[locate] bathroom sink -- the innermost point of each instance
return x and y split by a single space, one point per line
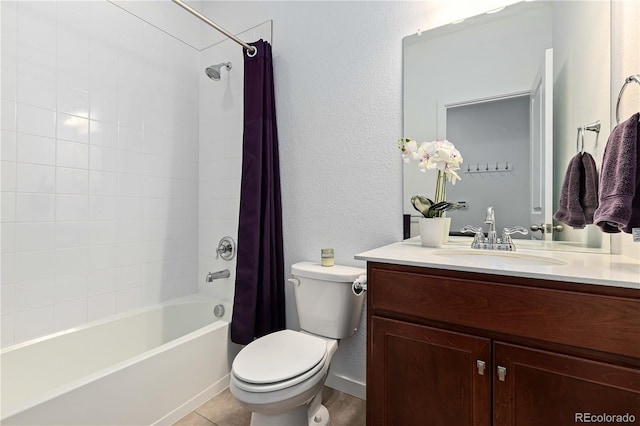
494 257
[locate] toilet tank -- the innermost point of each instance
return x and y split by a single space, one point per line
325 302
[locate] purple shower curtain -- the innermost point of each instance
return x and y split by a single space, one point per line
258 306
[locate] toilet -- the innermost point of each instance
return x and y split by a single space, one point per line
280 376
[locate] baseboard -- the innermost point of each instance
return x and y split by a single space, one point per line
347 385
194 402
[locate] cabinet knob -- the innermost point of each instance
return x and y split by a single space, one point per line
502 373
481 365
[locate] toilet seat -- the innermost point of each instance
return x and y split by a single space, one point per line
278 360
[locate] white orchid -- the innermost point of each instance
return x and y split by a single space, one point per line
440 155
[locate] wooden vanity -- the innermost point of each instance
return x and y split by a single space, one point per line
450 347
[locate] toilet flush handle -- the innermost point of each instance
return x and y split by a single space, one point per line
295 281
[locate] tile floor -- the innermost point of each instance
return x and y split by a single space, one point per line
224 410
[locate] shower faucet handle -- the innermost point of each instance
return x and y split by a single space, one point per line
226 248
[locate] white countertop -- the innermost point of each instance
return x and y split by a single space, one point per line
584 268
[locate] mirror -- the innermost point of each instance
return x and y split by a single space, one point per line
510 89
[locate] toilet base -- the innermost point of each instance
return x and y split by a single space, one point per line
299 416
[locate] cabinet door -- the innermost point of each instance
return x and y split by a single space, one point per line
545 388
420 375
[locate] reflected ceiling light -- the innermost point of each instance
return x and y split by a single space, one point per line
458 21
496 10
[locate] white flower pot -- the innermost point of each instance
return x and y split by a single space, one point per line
434 231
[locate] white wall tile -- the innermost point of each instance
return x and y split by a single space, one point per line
104 257
104 108
34 265
103 183
72 261
130 139
8 234
70 314
102 281
9 53
35 236
102 232
72 234
36 33
36 121
33 294
7 297
70 287
33 323
8 115
72 154
9 21
35 207
103 159
73 74
72 128
101 306
73 101
36 149
8 81
8 272
72 181
36 178
72 207
103 208
8 171
128 299
36 91
36 62
103 133
7 323
73 44
129 276
8 148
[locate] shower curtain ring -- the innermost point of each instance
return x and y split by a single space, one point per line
255 52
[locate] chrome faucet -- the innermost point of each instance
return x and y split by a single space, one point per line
490 219
492 241
218 275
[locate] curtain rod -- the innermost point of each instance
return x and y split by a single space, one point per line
251 51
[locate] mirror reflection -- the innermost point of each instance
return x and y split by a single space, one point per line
510 89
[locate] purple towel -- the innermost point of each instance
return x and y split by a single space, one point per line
589 188
570 210
619 207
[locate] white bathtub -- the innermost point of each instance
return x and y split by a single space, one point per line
152 366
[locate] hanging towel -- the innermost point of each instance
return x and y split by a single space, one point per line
589 188
570 210
619 201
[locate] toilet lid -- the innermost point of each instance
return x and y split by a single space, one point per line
278 356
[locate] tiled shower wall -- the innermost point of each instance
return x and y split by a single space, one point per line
99 165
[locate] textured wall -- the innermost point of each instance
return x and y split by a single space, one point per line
338 75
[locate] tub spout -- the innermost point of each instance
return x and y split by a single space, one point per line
218 275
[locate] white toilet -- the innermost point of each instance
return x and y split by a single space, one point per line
280 376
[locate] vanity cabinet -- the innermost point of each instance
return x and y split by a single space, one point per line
457 348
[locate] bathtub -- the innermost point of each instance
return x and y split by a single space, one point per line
151 366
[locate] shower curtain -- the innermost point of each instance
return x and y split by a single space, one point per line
258 306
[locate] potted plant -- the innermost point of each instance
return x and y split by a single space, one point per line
442 156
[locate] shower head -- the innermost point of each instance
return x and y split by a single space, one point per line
213 72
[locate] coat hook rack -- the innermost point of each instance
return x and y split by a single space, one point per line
497 167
